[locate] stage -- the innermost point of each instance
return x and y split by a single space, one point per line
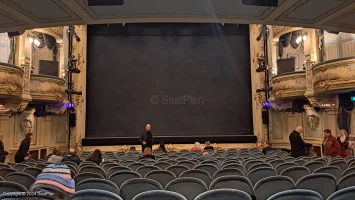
171 142
109 141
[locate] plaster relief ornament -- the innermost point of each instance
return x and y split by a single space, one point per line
313 122
25 127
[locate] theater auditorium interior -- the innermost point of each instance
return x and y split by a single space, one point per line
177 100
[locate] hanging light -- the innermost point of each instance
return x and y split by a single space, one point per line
305 36
37 42
299 39
30 39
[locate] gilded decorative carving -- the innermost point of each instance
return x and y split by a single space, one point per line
25 126
309 65
289 85
280 30
47 88
11 80
337 75
54 31
313 122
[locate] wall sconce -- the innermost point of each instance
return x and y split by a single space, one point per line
32 39
302 37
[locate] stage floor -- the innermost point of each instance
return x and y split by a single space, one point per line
230 139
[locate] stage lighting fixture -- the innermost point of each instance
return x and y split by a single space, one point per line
72 66
267 104
262 64
73 33
74 70
69 106
30 39
264 90
263 32
71 92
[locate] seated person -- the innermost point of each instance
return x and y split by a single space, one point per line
161 148
197 147
310 152
54 180
131 154
55 157
268 147
208 146
205 156
95 157
148 154
72 157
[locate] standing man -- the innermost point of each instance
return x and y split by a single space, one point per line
147 137
298 146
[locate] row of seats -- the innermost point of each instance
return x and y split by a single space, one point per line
243 166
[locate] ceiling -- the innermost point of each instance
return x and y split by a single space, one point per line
334 15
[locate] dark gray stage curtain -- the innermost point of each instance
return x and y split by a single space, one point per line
344 113
128 65
47 41
288 39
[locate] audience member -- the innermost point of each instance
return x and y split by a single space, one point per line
147 137
310 152
268 147
96 157
298 146
72 157
55 179
208 146
330 144
148 154
197 147
56 156
343 141
131 155
3 153
22 153
161 148
205 156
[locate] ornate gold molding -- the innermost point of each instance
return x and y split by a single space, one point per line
56 32
338 74
280 30
291 85
11 81
46 88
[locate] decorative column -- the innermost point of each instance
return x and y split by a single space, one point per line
79 81
257 82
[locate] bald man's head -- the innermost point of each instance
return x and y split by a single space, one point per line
299 129
71 150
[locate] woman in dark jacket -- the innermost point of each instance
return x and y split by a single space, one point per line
343 140
3 153
22 153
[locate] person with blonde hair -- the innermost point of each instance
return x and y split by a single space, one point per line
343 141
197 147
147 153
